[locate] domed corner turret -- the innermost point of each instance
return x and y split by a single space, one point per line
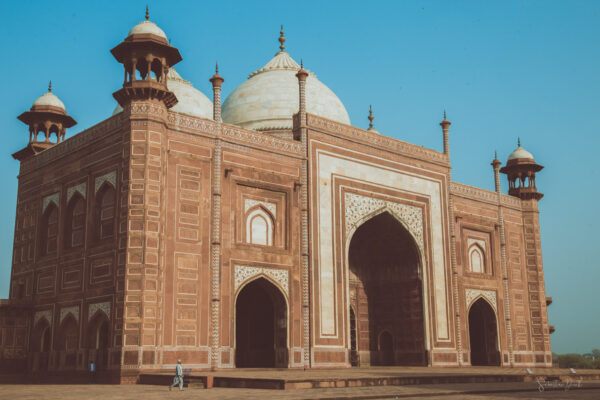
269 98
520 169
190 100
147 52
48 121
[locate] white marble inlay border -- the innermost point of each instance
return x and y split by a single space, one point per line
81 189
104 307
111 177
249 203
47 314
54 198
243 273
473 294
73 310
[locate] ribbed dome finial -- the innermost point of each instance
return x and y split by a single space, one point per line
50 87
147 13
371 117
519 142
281 39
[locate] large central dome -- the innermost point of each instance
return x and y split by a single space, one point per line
269 98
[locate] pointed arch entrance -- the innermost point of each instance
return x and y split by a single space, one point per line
261 326
483 334
386 291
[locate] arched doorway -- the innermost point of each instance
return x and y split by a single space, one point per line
483 334
42 335
387 294
260 326
98 340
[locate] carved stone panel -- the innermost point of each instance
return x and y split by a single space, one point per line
111 177
47 314
54 198
243 273
73 310
104 307
81 189
473 294
359 207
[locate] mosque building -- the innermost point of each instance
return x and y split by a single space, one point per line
264 232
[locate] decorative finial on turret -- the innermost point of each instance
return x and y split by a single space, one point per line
495 154
281 39
444 115
217 67
301 64
371 118
147 13
519 142
50 87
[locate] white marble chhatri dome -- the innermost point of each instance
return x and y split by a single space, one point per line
49 99
147 27
189 99
520 153
269 98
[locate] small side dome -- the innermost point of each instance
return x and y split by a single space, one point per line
190 100
145 27
49 99
520 153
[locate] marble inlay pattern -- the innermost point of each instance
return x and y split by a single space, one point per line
42 314
81 189
358 207
479 242
54 198
74 310
104 307
111 177
243 273
249 203
472 294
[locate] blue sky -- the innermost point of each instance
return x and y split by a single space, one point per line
502 70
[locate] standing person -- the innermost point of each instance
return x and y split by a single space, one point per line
178 379
92 372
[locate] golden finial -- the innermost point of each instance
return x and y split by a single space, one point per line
147 13
281 39
519 142
371 117
50 87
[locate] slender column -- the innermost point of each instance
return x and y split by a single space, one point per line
304 224
216 81
496 165
445 124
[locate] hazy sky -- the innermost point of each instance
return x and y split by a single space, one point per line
502 70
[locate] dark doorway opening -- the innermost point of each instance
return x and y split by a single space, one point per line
483 334
353 349
261 326
386 291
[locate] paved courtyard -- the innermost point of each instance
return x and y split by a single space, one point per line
590 390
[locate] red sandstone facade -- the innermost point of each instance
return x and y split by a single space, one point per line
156 236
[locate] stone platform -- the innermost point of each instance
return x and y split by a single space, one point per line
285 379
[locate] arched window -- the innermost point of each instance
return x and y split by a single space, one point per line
69 334
105 212
259 227
75 222
49 230
476 259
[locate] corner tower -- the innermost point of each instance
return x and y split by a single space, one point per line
46 117
521 169
146 56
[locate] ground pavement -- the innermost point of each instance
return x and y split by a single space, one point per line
487 391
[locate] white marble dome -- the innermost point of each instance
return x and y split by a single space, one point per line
269 98
520 153
49 99
147 27
189 99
